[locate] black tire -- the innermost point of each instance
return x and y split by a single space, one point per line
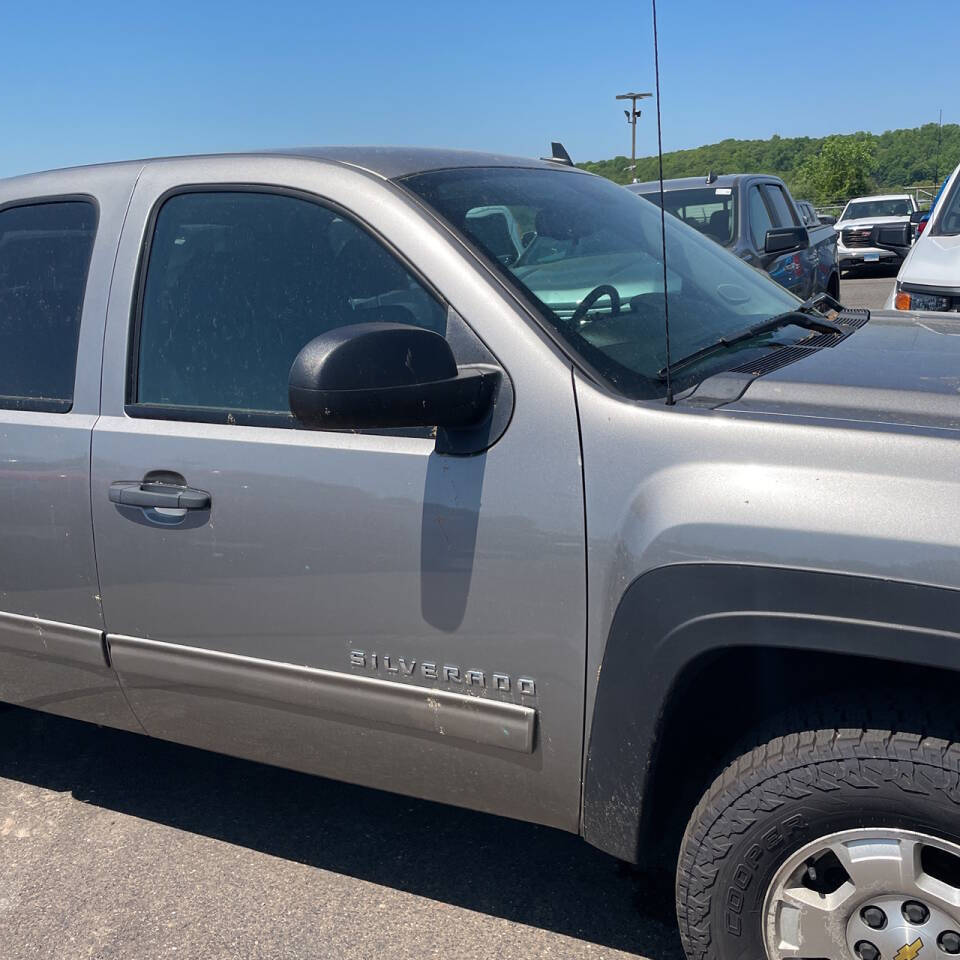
775 799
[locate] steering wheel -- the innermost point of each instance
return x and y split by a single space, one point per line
604 290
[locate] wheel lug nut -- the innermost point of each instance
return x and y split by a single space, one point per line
873 917
915 912
865 950
949 941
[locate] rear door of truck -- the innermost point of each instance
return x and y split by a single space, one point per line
58 240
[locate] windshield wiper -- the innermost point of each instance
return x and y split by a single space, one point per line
798 317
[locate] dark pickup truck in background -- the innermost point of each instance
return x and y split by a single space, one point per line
755 218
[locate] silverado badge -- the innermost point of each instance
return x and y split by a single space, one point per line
405 667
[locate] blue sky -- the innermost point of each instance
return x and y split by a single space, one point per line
81 83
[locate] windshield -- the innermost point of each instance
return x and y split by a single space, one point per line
877 208
591 263
948 222
711 210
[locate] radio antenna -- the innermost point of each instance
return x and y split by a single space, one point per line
663 209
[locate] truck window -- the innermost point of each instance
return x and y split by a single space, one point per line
808 215
237 282
760 221
45 253
948 222
893 207
782 210
711 210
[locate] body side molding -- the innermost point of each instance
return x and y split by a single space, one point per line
670 616
51 639
508 726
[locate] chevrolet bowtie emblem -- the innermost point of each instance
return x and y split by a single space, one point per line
909 951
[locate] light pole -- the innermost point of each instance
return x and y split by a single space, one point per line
631 116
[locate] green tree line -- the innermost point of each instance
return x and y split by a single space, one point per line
824 169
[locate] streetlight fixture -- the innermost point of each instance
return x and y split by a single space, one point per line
631 116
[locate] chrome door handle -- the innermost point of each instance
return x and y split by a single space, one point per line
140 494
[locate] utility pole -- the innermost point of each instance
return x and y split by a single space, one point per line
631 116
936 169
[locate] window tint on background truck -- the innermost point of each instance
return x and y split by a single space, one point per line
781 207
760 221
45 253
238 282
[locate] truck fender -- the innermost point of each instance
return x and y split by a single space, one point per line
671 615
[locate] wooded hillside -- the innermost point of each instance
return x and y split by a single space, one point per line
893 160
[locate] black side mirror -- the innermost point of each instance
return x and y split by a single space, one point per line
786 240
827 218
917 216
388 375
893 236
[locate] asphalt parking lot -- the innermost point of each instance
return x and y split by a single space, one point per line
868 286
115 846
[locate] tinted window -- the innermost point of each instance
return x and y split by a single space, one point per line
760 221
707 209
44 256
237 283
782 211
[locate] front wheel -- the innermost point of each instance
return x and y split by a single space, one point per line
827 845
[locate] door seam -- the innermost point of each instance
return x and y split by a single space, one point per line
104 642
586 597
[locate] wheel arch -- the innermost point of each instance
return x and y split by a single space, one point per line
684 629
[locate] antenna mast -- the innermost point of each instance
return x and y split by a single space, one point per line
663 210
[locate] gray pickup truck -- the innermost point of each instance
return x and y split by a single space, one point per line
296 469
755 217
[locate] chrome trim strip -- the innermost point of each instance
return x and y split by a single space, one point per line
51 639
508 726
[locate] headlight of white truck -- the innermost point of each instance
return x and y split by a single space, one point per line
920 301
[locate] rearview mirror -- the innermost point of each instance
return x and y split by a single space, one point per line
388 375
786 240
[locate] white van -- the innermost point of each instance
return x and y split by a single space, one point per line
930 276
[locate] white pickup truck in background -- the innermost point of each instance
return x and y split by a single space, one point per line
930 276
856 243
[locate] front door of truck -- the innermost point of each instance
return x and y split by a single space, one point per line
356 605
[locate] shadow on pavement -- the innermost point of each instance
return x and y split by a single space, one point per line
872 271
527 874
